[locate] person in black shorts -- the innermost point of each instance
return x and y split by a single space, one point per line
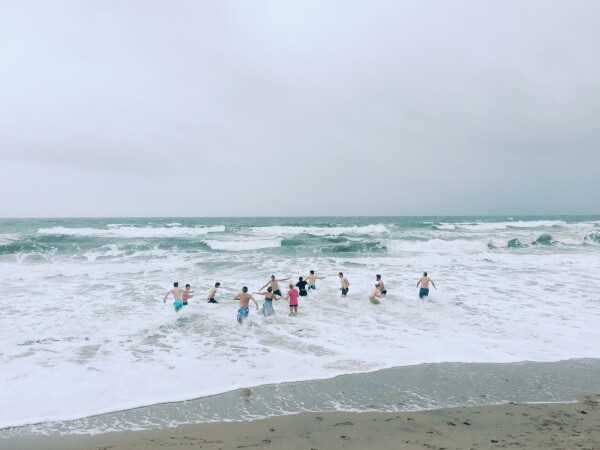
213 293
301 285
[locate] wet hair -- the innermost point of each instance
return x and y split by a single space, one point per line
272 276
175 284
378 277
217 284
269 289
312 272
245 289
424 274
300 278
341 274
187 285
292 286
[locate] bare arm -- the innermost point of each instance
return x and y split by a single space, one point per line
284 279
264 286
320 278
165 299
418 282
433 284
254 300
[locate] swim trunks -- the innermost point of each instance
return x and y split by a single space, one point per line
384 292
185 303
277 292
345 291
243 313
312 286
178 304
212 300
423 292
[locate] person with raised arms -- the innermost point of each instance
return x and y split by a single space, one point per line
311 278
268 304
274 282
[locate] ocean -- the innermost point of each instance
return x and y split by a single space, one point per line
84 331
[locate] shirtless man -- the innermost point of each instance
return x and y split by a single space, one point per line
345 285
424 282
177 293
380 286
274 282
312 280
244 299
213 293
186 294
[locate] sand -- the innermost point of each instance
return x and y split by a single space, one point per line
539 426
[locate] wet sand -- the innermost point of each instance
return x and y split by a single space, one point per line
531 426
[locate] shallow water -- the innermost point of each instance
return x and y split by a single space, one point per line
85 331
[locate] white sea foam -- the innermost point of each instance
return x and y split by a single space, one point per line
441 246
88 331
491 226
243 245
319 231
133 232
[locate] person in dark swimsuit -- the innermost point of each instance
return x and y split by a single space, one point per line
301 285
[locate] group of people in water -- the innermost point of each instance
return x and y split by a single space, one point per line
296 290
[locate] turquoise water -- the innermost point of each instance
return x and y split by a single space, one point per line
84 329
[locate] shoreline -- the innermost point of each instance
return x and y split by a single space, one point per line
405 389
511 425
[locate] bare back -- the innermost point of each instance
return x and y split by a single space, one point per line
425 282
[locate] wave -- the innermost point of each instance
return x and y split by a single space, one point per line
243 245
515 243
356 247
544 239
284 230
492 226
132 232
438 246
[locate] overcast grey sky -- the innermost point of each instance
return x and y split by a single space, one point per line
220 108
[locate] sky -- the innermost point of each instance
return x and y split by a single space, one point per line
299 108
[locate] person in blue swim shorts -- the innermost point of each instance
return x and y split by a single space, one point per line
244 299
345 285
178 294
424 282
312 280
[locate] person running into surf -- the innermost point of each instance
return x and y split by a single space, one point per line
311 278
301 285
177 293
244 299
268 304
424 282
274 282
292 296
380 286
345 285
213 293
375 294
187 294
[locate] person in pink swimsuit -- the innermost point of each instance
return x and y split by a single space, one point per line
292 296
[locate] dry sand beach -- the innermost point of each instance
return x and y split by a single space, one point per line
531 426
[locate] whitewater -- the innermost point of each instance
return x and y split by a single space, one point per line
84 330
